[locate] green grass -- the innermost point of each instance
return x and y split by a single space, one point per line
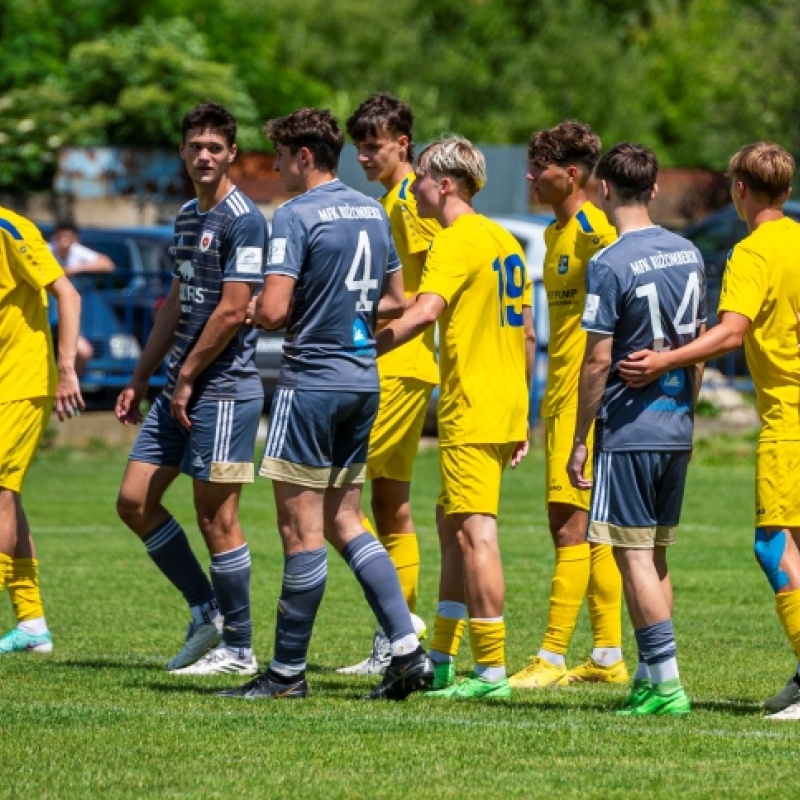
102 718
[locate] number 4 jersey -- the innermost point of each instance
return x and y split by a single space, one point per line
647 290
336 243
478 268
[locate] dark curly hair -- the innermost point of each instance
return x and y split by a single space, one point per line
570 143
210 116
632 170
382 111
314 128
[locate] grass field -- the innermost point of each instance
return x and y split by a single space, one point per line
102 718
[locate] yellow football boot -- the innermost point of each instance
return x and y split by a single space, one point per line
539 674
592 672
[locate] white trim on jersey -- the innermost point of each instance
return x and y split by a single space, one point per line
222 434
279 422
599 512
236 204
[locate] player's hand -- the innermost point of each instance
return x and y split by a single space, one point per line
520 451
641 368
250 314
181 395
69 401
576 467
127 408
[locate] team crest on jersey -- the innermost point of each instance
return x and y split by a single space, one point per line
672 382
563 265
205 240
595 240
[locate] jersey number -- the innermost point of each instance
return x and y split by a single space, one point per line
511 284
363 286
691 298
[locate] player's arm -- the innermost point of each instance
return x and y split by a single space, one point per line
420 315
68 398
91 261
272 308
594 376
645 366
393 301
159 343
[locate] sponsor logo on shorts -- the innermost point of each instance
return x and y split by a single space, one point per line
672 382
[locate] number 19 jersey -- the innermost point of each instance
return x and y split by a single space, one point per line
647 290
477 267
336 243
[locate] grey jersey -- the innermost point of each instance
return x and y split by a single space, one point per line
648 291
227 243
336 242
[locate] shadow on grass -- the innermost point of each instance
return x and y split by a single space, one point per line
737 708
112 663
319 686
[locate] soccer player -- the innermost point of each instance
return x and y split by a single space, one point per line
759 306
645 290
476 284
30 385
332 270
382 128
561 160
205 421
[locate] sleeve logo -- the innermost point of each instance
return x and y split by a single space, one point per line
277 251
590 309
249 260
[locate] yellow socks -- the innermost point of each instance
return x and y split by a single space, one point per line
605 597
368 527
487 639
403 549
567 591
5 568
22 582
447 635
788 607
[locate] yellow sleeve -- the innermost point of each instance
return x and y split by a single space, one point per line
744 282
28 254
445 271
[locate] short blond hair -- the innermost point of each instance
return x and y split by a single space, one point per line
765 168
457 158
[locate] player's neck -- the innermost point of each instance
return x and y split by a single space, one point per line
403 169
758 216
452 209
630 218
210 195
569 207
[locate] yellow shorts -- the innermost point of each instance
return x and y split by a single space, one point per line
559 435
22 426
395 435
471 476
778 484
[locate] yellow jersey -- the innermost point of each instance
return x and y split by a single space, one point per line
569 250
412 238
479 269
27 366
762 282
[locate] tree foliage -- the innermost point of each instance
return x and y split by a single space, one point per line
692 78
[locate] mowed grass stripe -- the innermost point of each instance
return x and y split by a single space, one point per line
101 717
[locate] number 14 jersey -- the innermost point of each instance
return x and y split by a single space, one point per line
478 268
647 290
336 243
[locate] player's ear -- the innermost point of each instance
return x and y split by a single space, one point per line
402 142
654 192
232 153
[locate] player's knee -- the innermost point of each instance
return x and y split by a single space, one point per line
129 509
768 550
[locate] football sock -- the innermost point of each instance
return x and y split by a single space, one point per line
641 670
35 627
556 659
487 639
368 527
605 601
171 552
448 629
657 647
373 568
403 549
22 582
230 576
787 605
304 577
567 591
606 656
5 564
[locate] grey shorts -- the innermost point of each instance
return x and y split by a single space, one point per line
319 439
637 498
219 446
